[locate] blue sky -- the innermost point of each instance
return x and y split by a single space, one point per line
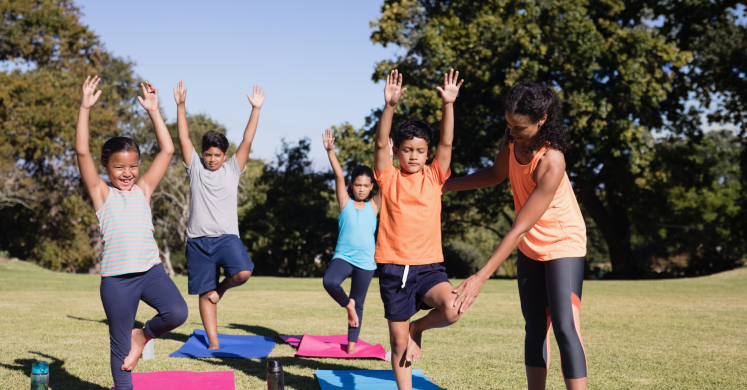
315 59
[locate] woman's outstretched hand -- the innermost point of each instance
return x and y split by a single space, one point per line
470 289
328 140
90 95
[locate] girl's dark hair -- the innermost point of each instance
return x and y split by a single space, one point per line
116 145
361 170
534 100
411 128
214 139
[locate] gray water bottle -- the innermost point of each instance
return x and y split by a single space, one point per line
275 375
40 376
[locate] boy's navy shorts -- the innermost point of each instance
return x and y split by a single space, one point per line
207 255
402 303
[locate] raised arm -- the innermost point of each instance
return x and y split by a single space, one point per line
149 181
485 177
549 174
340 189
377 198
96 187
242 153
180 95
449 94
393 91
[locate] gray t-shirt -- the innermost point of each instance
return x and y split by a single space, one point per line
214 198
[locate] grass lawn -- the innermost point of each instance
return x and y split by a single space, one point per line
666 334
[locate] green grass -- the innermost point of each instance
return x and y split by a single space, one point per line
666 334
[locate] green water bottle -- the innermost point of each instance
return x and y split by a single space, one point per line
40 376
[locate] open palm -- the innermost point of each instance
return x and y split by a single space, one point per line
451 89
180 93
393 90
258 97
328 140
90 95
150 100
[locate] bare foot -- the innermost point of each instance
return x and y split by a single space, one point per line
413 347
351 347
213 297
352 315
214 346
137 343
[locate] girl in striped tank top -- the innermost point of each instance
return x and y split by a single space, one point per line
130 263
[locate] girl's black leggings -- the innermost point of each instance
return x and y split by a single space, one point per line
121 296
337 272
550 293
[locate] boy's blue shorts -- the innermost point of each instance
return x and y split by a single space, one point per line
207 255
402 303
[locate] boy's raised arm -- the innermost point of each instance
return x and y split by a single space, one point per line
95 186
256 99
150 180
180 95
393 91
449 94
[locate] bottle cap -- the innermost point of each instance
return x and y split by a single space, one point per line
40 368
274 366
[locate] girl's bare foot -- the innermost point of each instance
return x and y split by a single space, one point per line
352 315
213 297
351 347
137 343
413 346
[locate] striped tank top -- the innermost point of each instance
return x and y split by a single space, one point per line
126 226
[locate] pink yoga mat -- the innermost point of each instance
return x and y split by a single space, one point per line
336 347
183 380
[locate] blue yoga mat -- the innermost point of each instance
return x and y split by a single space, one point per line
369 380
247 347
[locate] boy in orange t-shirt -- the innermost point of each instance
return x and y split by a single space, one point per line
409 242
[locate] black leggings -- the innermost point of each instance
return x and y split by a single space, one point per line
550 293
337 272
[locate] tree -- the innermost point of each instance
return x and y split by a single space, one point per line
620 78
291 229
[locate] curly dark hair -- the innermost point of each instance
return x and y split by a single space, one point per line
412 128
534 100
361 170
116 145
214 139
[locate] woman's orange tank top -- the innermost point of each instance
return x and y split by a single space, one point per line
561 232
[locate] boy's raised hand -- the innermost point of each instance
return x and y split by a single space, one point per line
90 95
393 90
328 140
451 89
258 97
150 102
180 93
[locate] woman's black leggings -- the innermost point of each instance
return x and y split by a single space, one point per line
550 293
337 272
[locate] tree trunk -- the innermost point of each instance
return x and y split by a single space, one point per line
615 232
166 254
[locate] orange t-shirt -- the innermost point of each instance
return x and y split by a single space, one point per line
410 224
561 231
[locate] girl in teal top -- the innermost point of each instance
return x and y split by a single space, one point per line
354 255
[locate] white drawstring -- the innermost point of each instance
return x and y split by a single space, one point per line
404 276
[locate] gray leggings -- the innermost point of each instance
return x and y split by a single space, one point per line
550 294
337 272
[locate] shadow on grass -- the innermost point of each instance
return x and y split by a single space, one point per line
168 336
57 373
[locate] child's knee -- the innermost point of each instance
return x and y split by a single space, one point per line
178 314
451 314
399 342
242 277
330 283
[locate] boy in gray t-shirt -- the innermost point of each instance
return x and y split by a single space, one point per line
213 231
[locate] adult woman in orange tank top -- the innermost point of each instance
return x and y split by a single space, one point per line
549 231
